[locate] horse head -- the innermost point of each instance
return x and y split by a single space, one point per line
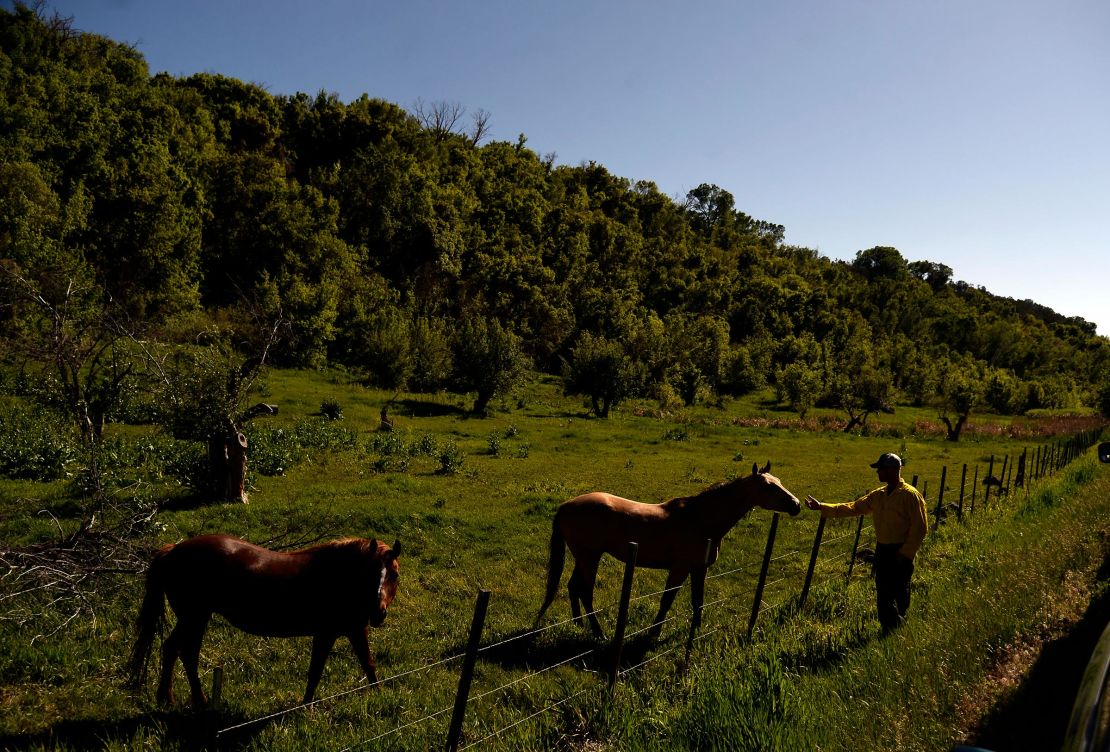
388 574
771 494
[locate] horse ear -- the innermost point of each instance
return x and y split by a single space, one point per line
755 468
396 549
373 545
767 467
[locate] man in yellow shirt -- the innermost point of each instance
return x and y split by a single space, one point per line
900 520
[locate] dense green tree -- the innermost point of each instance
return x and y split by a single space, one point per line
487 359
601 370
959 391
367 229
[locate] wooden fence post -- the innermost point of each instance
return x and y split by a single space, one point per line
855 547
1002 477
698 588
940 495
454 734
217 684
1009 472
812 561
960 505
763 573
622 613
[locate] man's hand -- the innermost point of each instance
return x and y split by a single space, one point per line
813 503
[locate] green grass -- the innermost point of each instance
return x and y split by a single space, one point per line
486 526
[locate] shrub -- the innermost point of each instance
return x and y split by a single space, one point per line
34 444
331 409
450 459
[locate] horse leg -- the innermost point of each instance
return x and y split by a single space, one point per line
361 645
574 589
170 650
191 638
674 579
321 648
586 568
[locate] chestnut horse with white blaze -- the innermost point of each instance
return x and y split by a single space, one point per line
671 536
325 592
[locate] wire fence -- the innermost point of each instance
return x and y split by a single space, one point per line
824 558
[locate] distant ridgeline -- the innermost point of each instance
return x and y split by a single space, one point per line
405 245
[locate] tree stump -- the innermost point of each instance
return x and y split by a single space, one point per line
235 448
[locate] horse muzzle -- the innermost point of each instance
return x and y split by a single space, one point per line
377 618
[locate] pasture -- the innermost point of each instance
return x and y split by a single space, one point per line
485 525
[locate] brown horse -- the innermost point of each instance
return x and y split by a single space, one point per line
328 591
671 536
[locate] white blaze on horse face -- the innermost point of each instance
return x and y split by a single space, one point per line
381 583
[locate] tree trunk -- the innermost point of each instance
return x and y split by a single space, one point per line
235 488
954 431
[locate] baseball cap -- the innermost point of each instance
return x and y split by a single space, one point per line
888 460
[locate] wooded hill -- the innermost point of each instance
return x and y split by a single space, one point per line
402 244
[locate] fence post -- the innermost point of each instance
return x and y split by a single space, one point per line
622 612
813 560
914 481
959 504
987 482
1019 480
1008 472
855 547
454 734
697 585
1002 477
217 684
763 573
940 494
974 488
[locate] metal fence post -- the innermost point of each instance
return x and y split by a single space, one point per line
940 494
986 482
855 547
763 573
622 612
960 504
454 734
813 561
974 488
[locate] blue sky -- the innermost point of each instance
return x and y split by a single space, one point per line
975 133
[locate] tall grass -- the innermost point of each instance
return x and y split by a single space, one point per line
470 517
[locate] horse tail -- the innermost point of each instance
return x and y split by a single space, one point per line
555 562
152 615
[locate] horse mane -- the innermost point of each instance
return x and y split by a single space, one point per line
718 486
341 546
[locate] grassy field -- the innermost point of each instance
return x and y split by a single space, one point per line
815 677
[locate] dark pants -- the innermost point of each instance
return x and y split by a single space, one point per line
892 584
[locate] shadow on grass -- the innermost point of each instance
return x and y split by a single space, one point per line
1036 715
177 728
427 409
521 650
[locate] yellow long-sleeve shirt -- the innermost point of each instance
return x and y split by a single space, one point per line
899 515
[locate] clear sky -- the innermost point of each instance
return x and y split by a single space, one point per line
975 133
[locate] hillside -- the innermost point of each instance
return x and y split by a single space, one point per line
401 245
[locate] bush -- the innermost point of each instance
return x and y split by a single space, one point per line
34 444
331 409
450 459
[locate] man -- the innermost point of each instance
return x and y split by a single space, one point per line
898 510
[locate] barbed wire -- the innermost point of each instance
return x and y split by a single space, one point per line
398 728
503 729
363 686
